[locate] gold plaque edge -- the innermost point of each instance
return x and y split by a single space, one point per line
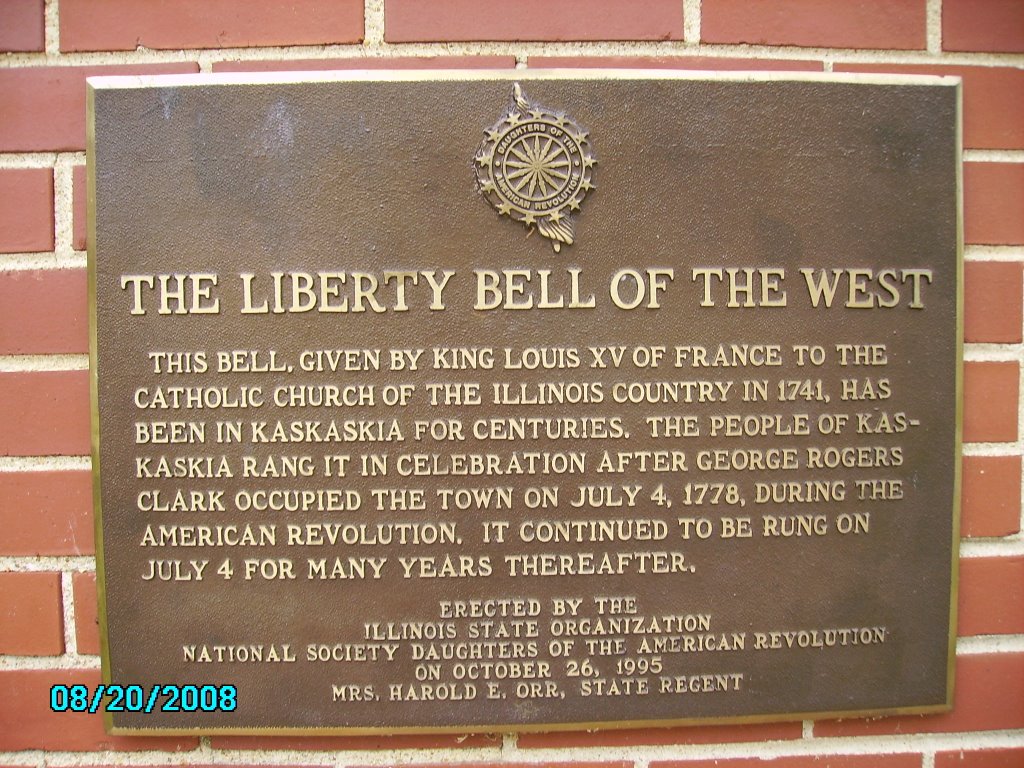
610 725
462 75
119 82
958 388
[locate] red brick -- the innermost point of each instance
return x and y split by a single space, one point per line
79 209
46 513
44 413
44 311
22 25
334 743
26 704
992 301
991 596
989 758
124 25
373 62
801 761
560 764
707 734
989 696
31 616
815 23
441 20
44 107
26 209
993 100
675 62
990 402
991 496
87 623
983 25
994 203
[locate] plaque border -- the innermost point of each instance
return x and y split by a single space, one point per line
119 82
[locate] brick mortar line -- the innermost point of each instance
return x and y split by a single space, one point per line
993 155
992 352
29 159
691 21
1008 546
989 541
68 613
991 449
68 662
45 463
205 62
51 27
63 204
933 26
26 262
373 23
895 744
513 48
509 743
48 563
43 363
993 253
39 762
974 645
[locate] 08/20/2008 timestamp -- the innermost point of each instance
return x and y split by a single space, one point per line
145 699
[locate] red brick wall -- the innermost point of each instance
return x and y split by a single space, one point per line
47 587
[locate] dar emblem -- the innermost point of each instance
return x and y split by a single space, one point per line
535 166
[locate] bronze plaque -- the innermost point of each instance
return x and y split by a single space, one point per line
528 400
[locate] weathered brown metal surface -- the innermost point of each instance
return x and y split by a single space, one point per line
483 612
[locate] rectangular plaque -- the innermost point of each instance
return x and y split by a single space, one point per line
525 400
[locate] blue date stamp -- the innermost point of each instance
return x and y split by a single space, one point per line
138 698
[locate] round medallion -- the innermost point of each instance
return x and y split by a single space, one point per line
535 166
